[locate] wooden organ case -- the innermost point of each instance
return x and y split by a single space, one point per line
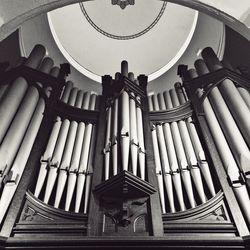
124 169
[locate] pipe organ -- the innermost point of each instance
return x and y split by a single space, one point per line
124 167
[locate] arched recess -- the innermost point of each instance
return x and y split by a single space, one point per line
222 12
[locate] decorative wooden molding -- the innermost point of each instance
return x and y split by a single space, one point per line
172 115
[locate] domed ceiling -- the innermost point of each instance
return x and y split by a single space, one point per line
97 35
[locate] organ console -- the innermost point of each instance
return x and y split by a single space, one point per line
76 164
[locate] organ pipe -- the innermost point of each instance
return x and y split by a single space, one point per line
230 128
172 156
24 150
238 107
180 153
226 156
197 146
13 98
189 150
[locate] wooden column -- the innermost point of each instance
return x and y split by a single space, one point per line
95 215
154 200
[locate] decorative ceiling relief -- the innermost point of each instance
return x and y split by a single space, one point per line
123 3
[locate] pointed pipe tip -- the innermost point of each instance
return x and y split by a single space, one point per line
124 68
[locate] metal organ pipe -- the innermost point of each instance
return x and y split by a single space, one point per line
124 121
176 178
189 150
46 158
237 106
18 127
133 129
164 159
24 150
180 153
226 155
15 93
84 158
233 135
197 145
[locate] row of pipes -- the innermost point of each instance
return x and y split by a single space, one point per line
66 168
181 166
21 113
124 132
227 111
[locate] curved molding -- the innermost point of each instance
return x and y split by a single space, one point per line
172 115
123 37
197 212
51 211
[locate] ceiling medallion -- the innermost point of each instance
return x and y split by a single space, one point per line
123 37
123 3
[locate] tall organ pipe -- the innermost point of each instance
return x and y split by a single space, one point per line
67 153
172 156
18 127
24 150
234 136
84 158
197 145
58 152
180 153
133 129
46 158
226 156
164 159
13 97
237 106
140 138
189 150
82 101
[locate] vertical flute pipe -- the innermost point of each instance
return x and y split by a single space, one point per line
114 142
17 129
158 169
245 95
133 129
125 136
24 150
106 150
84 159
197 144
76 154
90 170
172 156
67 153
86 100
227 158
140 138
180 153
13 97
237 105
45 159
124 120
59 147
164 159
189 150
233 135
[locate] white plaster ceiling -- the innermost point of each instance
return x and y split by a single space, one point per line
99 50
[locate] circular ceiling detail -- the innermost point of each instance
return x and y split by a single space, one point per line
152 53
135 33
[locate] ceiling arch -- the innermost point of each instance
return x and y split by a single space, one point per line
229 12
